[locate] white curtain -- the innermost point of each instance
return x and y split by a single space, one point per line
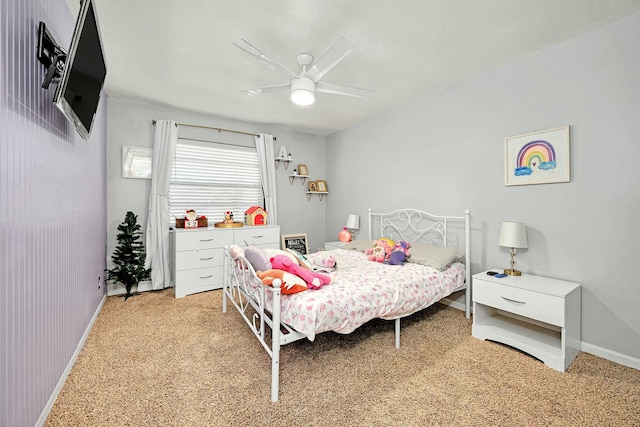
164 152
266 155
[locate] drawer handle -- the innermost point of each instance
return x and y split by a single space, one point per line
513 300
258 237
206 259
206 240
206 277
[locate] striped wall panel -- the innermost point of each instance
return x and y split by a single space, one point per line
52 217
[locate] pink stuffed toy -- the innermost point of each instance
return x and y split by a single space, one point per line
380 251
313 279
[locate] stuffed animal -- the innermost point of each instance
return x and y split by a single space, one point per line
381 250
313 279
235 251
257 258
291 283
323 260
399 254
255 255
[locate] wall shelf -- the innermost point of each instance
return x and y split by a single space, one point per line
319 193
285 161
302 177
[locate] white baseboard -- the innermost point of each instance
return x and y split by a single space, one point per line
67 370
119 289
455 304
611 355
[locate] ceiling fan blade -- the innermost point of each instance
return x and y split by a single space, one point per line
267 89
343 90
335 54
264 58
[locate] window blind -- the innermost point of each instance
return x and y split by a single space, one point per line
212 178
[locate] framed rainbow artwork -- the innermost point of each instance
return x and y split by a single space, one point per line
537 157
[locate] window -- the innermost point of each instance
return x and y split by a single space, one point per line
212 178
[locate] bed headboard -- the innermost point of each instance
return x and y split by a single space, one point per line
416 226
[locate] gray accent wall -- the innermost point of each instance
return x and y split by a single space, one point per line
445 153
52 218
130 124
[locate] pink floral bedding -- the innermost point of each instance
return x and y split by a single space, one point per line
362 290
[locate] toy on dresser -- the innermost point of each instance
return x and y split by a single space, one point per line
228 221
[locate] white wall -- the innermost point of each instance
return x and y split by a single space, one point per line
444 153
129 123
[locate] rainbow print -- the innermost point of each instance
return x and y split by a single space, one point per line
535 154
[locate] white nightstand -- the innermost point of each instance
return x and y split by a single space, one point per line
537 315
333 245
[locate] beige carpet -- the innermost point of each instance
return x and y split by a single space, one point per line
159 361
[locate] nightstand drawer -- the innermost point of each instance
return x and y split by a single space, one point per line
534 305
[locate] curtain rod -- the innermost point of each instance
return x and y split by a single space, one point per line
212 128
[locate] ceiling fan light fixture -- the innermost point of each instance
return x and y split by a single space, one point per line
303 91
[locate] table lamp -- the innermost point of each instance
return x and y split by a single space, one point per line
352 226
513 235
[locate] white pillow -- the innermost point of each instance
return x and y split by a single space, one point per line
270 252
438 257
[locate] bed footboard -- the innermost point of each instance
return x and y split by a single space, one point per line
259 306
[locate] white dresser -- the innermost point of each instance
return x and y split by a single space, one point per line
537 315
197 254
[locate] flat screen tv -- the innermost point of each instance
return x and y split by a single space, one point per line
79 89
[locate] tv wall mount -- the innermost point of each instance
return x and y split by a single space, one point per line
51 55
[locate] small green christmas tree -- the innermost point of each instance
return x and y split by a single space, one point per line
129 255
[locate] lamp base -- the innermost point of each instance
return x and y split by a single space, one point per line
512 272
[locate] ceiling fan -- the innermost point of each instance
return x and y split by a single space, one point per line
305 84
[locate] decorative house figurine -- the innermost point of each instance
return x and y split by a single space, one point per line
283 152
255 215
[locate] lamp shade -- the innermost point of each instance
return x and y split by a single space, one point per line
303 91
353 222
513 235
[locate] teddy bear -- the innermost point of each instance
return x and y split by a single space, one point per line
313 279
399 254
291 283
380 251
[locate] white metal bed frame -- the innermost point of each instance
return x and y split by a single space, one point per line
402 224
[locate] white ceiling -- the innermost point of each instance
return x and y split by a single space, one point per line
181 53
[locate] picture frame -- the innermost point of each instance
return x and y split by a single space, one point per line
303 170
322 186
136 162
313 186
541 157
297 242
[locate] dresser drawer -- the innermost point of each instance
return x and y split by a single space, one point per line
187 260
200 278
534 305
205 239
256 236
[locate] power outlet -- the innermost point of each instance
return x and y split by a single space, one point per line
99 282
